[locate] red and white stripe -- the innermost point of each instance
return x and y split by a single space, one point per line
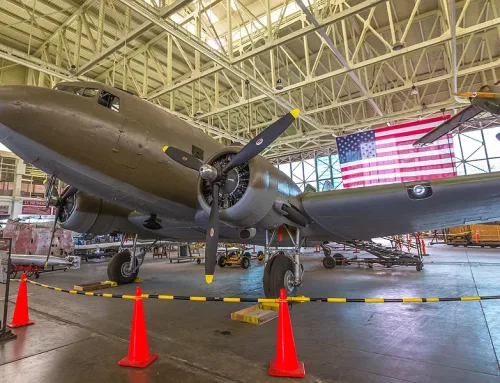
398 161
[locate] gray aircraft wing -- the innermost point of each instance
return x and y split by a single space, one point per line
448 125
371 212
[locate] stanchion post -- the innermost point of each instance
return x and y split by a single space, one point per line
5 333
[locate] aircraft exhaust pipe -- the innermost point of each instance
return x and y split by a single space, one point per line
248 233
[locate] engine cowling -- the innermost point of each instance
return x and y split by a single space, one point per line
84 213
248 194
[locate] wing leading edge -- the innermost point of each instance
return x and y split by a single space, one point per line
371 212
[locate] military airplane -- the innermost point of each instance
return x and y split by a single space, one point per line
136 168
487 99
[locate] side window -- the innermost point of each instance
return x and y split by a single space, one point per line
109 101
197 152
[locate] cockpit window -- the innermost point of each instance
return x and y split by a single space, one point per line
78 90
70 89
109 101
90 92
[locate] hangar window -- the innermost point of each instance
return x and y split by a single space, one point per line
109 101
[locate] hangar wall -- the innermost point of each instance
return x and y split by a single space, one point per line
12 74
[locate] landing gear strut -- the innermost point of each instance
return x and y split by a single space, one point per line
282 270
124 266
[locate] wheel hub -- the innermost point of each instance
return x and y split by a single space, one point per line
125 269
289 281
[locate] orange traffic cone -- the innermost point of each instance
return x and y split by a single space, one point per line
286 362
423 248
138 350
21 317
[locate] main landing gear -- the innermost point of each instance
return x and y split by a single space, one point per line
124 266
283 269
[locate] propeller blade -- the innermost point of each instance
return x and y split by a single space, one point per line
183 158
478 94
51 194
262 141
212 239
58 211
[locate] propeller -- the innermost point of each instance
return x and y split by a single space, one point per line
59 202
215 176
478 94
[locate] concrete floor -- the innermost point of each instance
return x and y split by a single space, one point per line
80 339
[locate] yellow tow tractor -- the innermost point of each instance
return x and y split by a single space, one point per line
236 255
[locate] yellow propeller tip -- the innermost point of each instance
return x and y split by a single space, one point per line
165 148
295 113
209 278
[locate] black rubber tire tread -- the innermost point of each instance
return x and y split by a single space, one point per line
115 266
245 262
222 261
329 262
276 269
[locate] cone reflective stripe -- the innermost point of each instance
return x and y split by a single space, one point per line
21 315
138 350
285 363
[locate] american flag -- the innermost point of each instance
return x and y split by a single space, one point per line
386 155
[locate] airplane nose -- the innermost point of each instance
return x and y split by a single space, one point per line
10 94
10 110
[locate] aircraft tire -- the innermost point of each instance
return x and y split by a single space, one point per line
221 261
329 262
278 269
245 262
117 269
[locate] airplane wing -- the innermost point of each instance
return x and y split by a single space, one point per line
376 211
448 125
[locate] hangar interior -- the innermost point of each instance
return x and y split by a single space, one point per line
230 68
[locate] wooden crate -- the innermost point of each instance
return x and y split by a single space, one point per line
256 314
93 286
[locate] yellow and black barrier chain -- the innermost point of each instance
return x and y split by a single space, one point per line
297 299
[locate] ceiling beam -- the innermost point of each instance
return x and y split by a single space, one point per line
206 50
132 35
339 16
339 55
